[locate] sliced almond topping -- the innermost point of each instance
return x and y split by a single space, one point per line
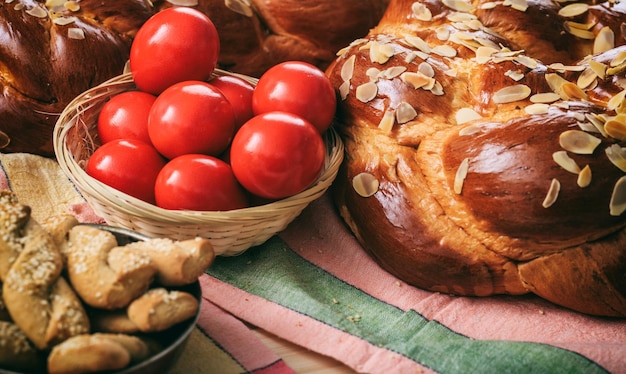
619 59
437 89
63 21
617 156
347 69
458 5
511 94
465 115
443 33
516 75
580 33
545 98
560 67
597 122
578 142
566 162
365 184
572 91
573 10
529 62
393 72
484 54
421 12
405 113
73 6
553 193
37 12
386 123
617 205
444 51
426 69
556 83
469 130
373 74
417 79
616 100
451 72
582 26
381 52
344 90
520 5
461 174
538 108
604 41
75 33
417 42
586 78
239 6
366 92
584 177
488 5
616 128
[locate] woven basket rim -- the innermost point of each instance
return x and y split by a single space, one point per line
126 204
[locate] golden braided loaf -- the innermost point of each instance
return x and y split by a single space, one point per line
485 148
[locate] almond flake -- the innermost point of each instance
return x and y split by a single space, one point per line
366 92
617 205
553 193
484 54
529 62
616 100
37 12
488 5
75 33
578 142
584 177
386 123
242 7
599 68
616 128
538 108
572 91
461 174
417 42
469 130
444 51
347 69
511 94
465 115
426 69
563 159
580 33
586 78
373 74
560 67
604 41
520 5
365 184
617 156
516 75
63 21
381 52
437 89
597 122
619 59
573 10
544 98
458 5
344 90
73 6
443 33
417 79
393 72
556 83
421 12
405 113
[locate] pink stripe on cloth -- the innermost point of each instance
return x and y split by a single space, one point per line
236 338
320 236
307 332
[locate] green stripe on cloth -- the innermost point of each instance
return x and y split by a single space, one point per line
274 272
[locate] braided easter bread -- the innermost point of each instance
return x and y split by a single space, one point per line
485 148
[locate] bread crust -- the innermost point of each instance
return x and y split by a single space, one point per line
461 205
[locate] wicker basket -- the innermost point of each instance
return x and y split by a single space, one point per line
231 232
